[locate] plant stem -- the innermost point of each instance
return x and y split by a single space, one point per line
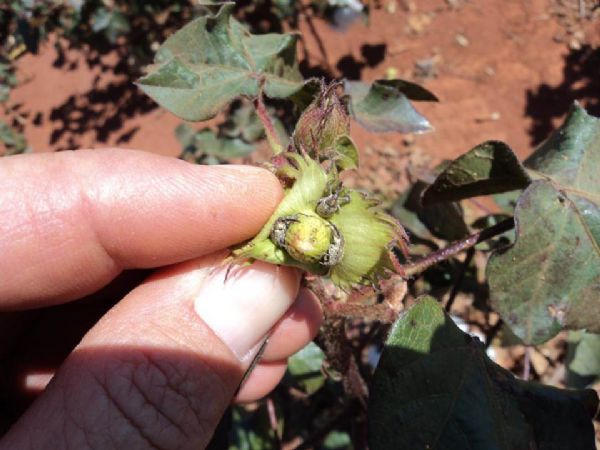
433 258
270 131
527 363
318 40
461 276
492 333
273 420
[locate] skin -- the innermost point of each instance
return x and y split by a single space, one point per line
138 358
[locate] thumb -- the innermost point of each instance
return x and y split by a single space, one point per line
160 368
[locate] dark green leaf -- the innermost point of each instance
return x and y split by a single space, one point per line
583 359
244 123
112 23
550 278
304 368
185 135
14 142
489 168
251 430
206 142
100 19
571 156
304 96
436 388
4 92
444 220
384 107
214 60
8 80
409 219
337 440
285 9
118 26
413 91
507 201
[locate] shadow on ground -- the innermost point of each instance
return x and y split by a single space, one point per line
581 82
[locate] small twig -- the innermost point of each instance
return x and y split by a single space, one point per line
273 420
461 276
582 8
305 54
338 350
270 132
493 332
354 383
527 364
318 40
433 258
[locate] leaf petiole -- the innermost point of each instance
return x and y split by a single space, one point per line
416 267
270 132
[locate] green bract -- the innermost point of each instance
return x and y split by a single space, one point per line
352 246
323 122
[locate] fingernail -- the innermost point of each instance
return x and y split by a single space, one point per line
242 307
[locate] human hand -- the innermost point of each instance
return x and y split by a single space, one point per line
160 367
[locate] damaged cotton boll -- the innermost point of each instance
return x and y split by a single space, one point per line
352 246
321 226
309 238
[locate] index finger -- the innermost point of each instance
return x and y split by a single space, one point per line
71 221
